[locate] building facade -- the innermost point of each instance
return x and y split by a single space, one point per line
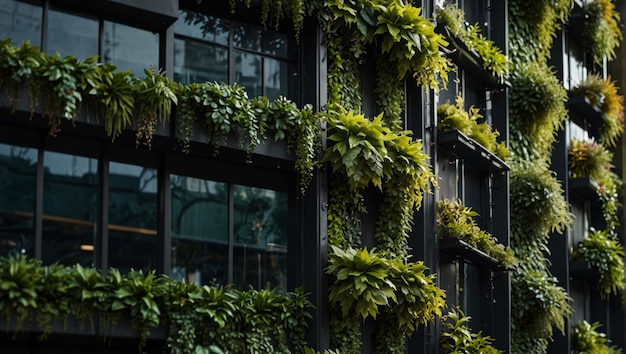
205 206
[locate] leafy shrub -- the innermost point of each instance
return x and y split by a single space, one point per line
589 159
458 338
454 116
456 220
605 254
601 30
586 340
603 95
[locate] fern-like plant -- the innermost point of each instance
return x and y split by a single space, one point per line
586 340
458 338
605 254
603 95
601 31
589 159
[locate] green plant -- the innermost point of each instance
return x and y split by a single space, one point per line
20 279
601 30
367 282
454 116
113 93
18 64
273 11
538 203
603 95
458 338
586 340
492 56
537 110
605 254
154 96
538 303
456 220
589 159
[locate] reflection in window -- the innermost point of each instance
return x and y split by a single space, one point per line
72 35
18 171
20 21
260 59
70 200
132 217
248 73
260 237
130 47
196 62
199 230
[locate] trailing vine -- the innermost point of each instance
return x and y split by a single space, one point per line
538 204
601 31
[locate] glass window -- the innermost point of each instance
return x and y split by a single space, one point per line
72 35
20 21
200 26
248 73
260 237
132 217
195 62
199 230
70 200
211 49
18 172
130 47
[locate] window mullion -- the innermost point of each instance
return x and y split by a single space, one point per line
231 232
38 212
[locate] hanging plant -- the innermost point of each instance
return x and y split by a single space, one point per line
457 337
492 57
605 254
113 93
18 65
586 339
537 103
457 221
603 96
273 11
601 30
589 159
454 116
154 96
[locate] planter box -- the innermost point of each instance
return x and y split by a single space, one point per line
469 61
583 113
462 250
585 187
582 270
469 150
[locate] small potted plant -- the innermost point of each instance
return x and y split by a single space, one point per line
601 30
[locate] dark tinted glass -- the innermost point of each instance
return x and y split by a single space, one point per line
194 62
276 75
20 21
72 35
18 172
248 69
260 236
70 200
247 37
199 230
132 217
200 26
275 43
130 47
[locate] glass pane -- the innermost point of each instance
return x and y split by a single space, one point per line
70 200
276 78
132 217
130 48
20 21
203 27
248 73
72 35
199 230
18 172
275 43
247 37
194 62
260 237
